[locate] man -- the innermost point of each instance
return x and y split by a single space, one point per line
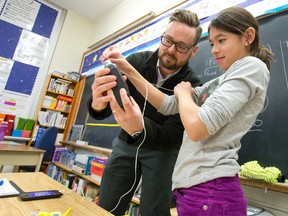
160 140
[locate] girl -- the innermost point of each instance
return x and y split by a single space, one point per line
216 117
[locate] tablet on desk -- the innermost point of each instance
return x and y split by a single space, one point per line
37 195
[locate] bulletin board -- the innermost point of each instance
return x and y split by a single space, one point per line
29 31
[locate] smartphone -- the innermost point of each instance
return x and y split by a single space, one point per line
37 195
120 82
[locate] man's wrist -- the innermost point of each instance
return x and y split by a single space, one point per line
136 134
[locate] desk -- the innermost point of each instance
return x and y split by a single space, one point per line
20 155
39 181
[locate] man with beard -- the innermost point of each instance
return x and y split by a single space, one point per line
157 136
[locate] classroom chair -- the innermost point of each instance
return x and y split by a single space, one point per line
45 142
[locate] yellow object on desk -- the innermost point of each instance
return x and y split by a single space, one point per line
67 212
54 213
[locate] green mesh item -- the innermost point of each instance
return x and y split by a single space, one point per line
252 169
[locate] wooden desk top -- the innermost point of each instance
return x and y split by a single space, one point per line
34 181
19 148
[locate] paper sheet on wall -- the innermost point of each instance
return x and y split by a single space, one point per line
21 13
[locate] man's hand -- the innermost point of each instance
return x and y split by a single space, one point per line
130 116
102 83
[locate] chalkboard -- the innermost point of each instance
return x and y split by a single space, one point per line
96 132
267 140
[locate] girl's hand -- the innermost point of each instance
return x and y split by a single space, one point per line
183 89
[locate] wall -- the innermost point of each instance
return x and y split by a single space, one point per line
275 202
78 33
73 41
125 13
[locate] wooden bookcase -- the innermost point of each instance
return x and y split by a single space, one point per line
91 150
61 97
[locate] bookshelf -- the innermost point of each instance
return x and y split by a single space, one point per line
58 106
91 150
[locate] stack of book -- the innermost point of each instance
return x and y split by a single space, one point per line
61 103
97 167
23 127
59 86
10 119
52 118
82 164
67 158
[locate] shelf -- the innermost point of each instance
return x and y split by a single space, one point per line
64 78
57 93
48 108
96 149
47 126
13 138
92 149
87 177
279 187
67 104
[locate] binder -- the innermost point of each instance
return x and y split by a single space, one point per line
29 123
10 119
20 124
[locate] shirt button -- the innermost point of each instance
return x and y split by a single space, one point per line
205 207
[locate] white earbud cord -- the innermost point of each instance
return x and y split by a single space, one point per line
137 151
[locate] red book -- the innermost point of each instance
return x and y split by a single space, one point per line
10 119
65 98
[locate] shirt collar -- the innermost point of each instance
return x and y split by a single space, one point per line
160 79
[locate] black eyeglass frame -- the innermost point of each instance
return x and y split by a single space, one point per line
176 44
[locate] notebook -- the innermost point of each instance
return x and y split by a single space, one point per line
8 188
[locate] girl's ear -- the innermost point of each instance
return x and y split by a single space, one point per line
250 35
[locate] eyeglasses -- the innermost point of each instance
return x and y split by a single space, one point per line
179 47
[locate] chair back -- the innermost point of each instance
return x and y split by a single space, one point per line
47 141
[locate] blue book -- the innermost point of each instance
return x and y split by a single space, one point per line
39 133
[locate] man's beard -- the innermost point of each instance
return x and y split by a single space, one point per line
168 64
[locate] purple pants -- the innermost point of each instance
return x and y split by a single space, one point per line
218 197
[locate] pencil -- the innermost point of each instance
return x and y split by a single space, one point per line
67 212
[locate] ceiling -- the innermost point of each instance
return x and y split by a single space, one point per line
91 9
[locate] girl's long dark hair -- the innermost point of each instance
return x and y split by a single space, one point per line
237 20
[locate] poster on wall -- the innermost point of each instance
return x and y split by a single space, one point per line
27 28
147 36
